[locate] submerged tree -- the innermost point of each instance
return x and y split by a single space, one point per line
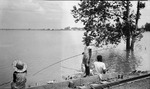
107 22
147 27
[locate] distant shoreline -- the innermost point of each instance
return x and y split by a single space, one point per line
73 29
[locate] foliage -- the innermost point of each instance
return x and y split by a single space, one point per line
105 21
117 61
147 27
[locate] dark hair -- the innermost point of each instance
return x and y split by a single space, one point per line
99 58
82 53
20 67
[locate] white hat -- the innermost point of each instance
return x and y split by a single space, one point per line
19 66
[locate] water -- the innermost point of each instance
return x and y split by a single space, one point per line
115 59
143 48
39 49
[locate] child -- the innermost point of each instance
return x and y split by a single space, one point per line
19 75
99 67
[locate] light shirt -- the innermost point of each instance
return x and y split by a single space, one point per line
99 67
86 49
86 54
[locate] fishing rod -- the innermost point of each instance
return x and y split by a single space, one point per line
63 60
5 83
44 68
55 63
70 68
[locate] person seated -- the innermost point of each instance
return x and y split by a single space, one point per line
99 67
19 75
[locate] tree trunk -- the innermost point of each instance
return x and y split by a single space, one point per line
128 44
136 24
132 43
128 34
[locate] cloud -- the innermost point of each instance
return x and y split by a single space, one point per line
21 5
30 14
68 19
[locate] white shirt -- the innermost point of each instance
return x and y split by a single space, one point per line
99 67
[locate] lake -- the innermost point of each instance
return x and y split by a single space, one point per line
41 49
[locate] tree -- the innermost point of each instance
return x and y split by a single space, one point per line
137 32
67 28
147 27
107 22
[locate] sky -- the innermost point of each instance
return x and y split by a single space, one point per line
39 14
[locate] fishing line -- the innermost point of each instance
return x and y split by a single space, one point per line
62 61
55 64
70 68
5 83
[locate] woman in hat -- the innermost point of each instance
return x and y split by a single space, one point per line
19 75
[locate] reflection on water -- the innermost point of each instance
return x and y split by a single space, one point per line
116 61
138 59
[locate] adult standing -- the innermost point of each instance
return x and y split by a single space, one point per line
19 75
86 59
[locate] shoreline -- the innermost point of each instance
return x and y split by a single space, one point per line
45 29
